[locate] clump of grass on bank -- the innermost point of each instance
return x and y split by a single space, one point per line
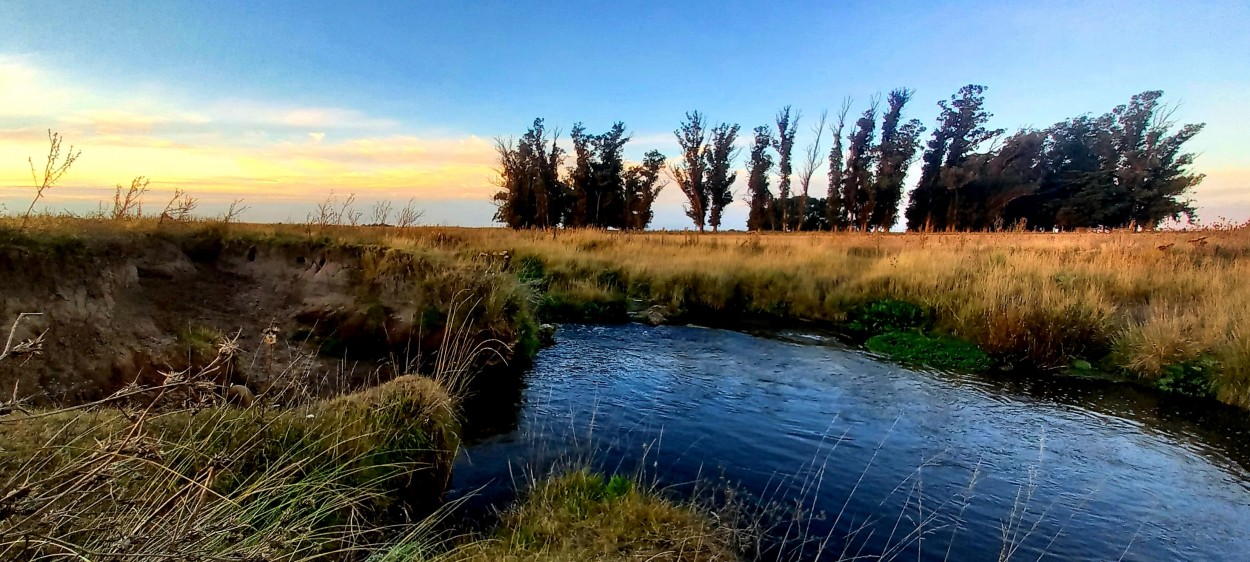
241 484
583 515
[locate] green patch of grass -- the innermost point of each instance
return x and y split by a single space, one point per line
1190 378
887 315
530 269
937 352
584 515
201 341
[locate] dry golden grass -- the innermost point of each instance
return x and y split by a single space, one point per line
1143 300
1139 302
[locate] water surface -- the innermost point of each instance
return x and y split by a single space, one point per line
878 458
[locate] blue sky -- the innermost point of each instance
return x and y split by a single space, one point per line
281 102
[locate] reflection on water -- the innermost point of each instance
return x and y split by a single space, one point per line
883 460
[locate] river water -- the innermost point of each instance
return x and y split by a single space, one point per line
859 457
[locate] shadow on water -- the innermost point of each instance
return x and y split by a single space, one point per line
877 459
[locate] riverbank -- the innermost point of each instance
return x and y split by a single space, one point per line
1165 308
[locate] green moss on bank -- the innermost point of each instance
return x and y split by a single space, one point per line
915 348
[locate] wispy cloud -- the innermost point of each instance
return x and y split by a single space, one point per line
262 150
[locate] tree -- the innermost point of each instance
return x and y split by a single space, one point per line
642 186
690 172
531 194
894 155
1124 168
580 178
608 167
719 155
811 163
761 199
859 194
787 125
834 206
987 183
961 129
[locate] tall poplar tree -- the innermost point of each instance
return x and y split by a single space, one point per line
719 156
835 208
787 125
642 185
690 171
894 155
858 190
761 163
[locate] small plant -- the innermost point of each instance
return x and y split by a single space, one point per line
179 207
409 216
380 213
1190 378
127 203
53 169
234 211
885 316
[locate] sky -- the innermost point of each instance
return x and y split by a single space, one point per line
287 104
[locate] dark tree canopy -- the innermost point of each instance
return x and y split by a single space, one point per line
532 195
642 185
833 202
597 192
894 156
719 156
1125 168
787 126
858 190
761 198
961 129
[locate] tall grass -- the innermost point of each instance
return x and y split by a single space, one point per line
172 472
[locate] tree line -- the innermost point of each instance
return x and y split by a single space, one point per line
1121 169
598 191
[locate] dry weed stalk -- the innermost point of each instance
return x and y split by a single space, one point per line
54 167
179 207
128 204
234 211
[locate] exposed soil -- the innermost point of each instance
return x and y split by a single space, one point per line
117 312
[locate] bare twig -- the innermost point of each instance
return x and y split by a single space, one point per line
179 207
53 169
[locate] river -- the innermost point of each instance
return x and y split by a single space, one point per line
861 457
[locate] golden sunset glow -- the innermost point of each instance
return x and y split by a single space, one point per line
233 149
